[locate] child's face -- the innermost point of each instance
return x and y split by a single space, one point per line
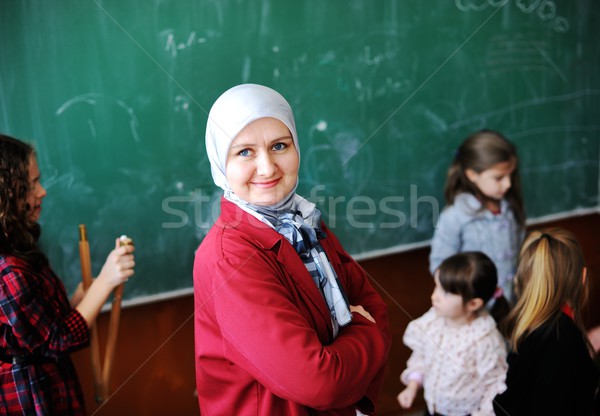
449 305
36 190
495 181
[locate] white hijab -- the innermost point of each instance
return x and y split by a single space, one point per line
234 110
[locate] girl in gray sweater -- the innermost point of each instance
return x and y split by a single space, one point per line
484 207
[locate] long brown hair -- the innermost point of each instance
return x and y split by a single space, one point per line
549 275
481 151
19 234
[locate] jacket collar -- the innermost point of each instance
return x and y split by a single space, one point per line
232 216
471 204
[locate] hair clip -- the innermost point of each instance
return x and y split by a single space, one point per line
498 293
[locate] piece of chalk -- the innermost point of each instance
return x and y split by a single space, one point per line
125 241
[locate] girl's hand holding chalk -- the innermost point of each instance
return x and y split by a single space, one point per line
126 262
125 241
119 266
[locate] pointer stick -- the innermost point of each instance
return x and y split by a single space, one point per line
86 274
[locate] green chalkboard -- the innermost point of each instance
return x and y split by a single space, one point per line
115 95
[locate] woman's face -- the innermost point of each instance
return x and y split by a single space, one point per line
262 163
36 190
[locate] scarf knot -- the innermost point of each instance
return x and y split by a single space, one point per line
300 235
305 240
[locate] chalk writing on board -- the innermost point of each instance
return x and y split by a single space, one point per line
323 163
182 103
518 52
94 99
525 104
545 10
557 128
575 164
173 45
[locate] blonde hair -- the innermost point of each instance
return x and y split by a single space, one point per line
481 151
549 276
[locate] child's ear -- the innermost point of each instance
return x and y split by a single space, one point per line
475 304
471 175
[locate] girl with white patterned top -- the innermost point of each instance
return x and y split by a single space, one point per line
459 356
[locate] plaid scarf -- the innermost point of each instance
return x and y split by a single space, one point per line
304 240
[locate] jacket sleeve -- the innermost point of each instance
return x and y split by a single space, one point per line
38 326
268 334
360 291
417 362
491 371
446 239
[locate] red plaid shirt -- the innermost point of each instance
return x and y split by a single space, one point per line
38 324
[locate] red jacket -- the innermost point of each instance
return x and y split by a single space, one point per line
263 331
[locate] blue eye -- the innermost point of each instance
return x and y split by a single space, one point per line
244 152
279 146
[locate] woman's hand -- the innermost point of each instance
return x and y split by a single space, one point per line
360 310
119 265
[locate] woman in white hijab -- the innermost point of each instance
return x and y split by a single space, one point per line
286 322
